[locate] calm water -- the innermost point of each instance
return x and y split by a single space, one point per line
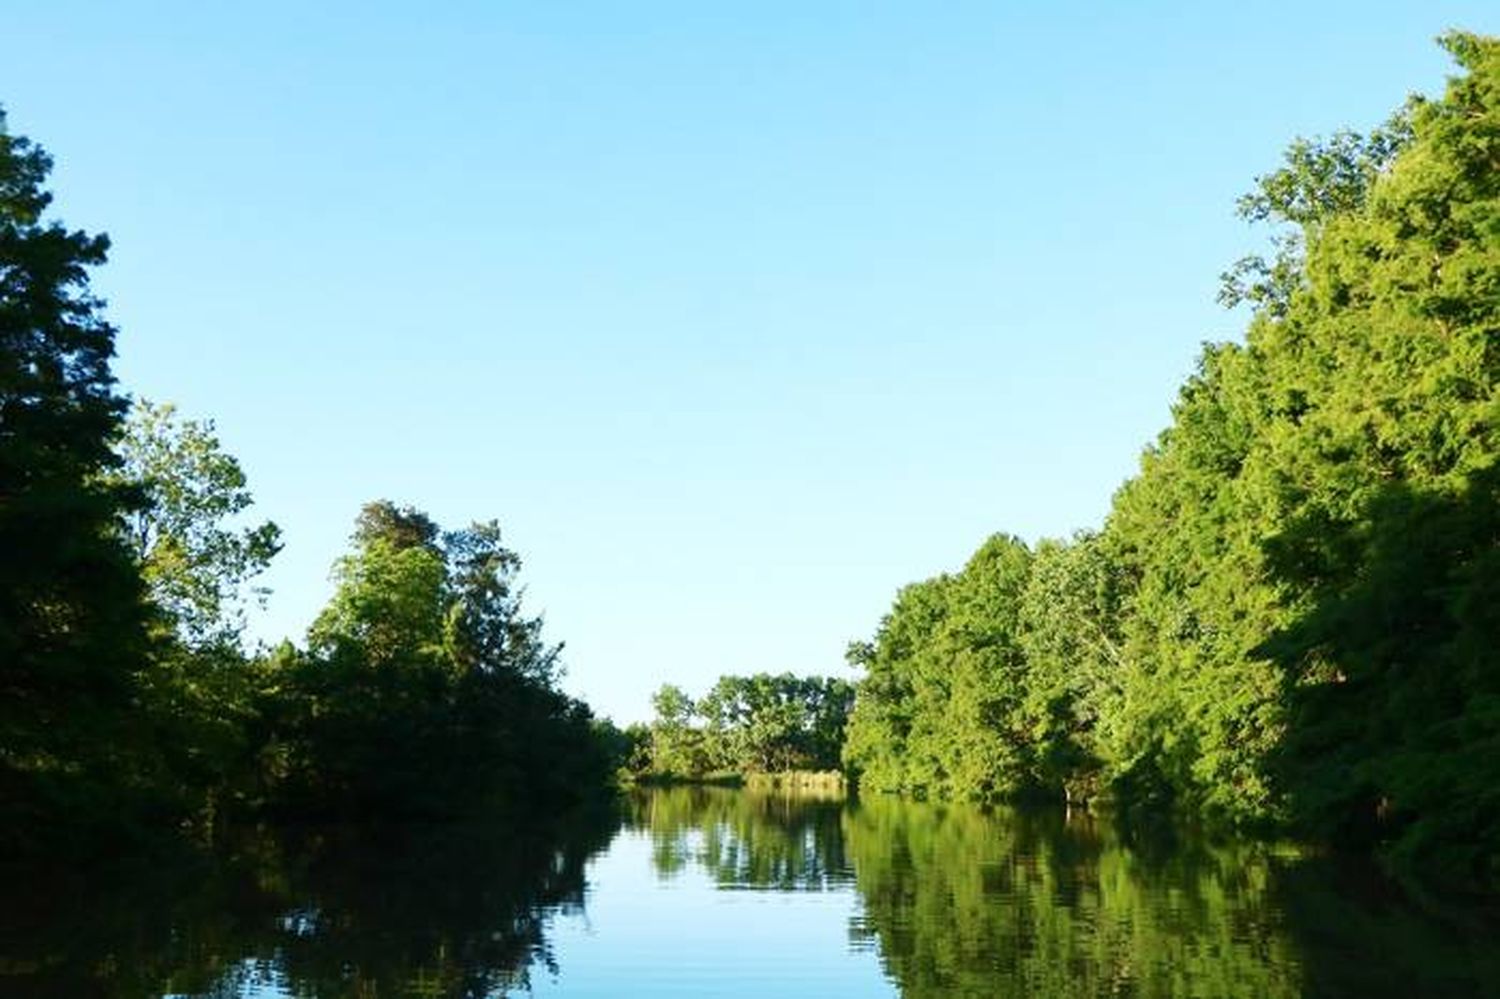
707 892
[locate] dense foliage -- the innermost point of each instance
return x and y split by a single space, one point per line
940 706
1289 614
425 689
746 724
196 563
72 622
1288 617
129 700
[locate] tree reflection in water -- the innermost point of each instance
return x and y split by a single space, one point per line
746 839
953 901
964 901
435 911
971 902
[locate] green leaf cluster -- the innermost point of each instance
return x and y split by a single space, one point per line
197 564
763 723
425 689
73 643
940 711
1288 615
126 564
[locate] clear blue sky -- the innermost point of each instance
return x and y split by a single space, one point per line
737 316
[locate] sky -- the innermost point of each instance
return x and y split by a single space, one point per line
737 316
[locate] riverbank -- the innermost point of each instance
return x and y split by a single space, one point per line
815 781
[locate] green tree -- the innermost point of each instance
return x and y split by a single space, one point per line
676 746
768 723
1389 512
425 690
71 615
197 564
828 703
401 527
387 608
1289 614
877 744
1070 623
485 627
1310 543
940 709
764 723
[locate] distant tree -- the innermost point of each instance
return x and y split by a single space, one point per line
829 701
676 746
763 723
771 723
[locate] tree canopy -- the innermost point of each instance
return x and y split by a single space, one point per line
197 563
425 689
764 723
1287 619
129 701
72 623
1288 615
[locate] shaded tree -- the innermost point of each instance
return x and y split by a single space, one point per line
71 616
425 689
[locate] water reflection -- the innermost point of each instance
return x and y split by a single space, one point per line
961 901
787 841
714 891
968 902
430 912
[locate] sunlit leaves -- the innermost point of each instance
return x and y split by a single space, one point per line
196 558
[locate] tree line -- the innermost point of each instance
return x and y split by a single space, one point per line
128 696
744 725
1289 616
1287 619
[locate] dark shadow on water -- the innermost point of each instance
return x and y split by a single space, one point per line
952 900
433 911
1363 935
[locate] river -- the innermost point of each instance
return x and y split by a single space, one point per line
716 892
